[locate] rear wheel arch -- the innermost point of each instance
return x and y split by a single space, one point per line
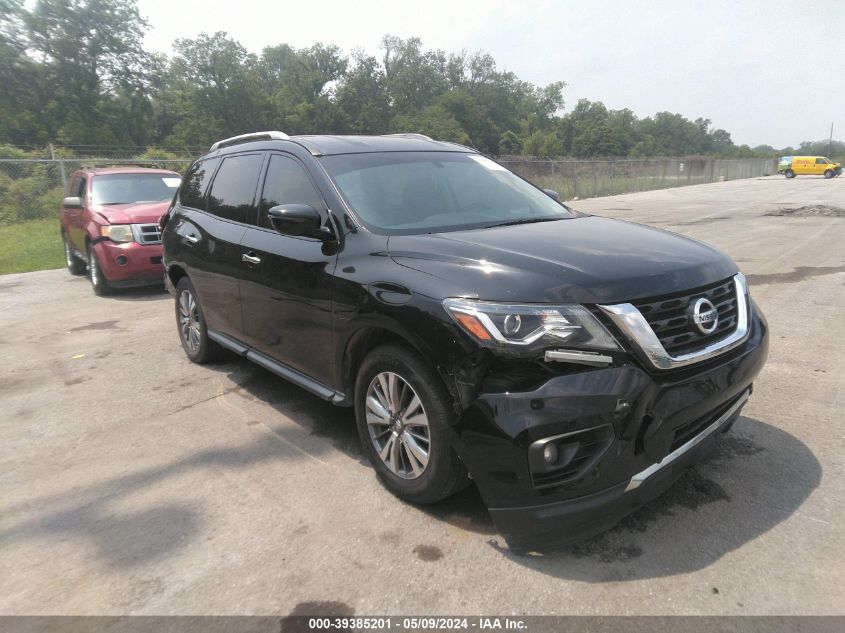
175 274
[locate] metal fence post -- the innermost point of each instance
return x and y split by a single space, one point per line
61 167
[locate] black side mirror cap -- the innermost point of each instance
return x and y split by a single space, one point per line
297 220
552 194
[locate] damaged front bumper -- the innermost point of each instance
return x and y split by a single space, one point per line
622 435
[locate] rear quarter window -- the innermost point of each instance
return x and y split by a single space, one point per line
192 191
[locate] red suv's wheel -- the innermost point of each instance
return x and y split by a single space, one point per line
99 282
75 265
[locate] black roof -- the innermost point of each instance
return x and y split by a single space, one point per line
326 145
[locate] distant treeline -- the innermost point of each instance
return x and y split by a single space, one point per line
74 72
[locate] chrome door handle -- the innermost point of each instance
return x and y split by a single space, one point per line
192 238
250 259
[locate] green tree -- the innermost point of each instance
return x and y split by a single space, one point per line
434 121
362 97
89 52
510 144
210 92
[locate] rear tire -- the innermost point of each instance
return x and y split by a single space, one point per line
828 173
99 281
190 324
75 266
789 173
405 421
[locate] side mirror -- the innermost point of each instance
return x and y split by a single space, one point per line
72 202
552 194
296 219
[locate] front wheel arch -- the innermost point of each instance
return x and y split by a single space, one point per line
353 348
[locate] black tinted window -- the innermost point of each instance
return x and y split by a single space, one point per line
286 183
232 193
431 192
192 193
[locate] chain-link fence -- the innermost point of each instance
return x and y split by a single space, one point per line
592 178
32 189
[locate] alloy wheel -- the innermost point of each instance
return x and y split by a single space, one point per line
69 257
398 425
189 320
94 268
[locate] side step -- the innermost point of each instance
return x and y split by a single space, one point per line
280 369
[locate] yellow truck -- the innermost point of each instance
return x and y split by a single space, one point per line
791 166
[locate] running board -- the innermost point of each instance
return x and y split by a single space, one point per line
280 369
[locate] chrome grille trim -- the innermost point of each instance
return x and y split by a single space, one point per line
146 233
635 327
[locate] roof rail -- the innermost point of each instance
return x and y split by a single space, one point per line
412 135
253 136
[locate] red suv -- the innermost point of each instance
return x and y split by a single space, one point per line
110 224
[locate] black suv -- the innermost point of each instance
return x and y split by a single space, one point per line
572 366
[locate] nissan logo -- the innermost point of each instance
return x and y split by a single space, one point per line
704 315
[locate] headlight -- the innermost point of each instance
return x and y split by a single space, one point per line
529 327
118 232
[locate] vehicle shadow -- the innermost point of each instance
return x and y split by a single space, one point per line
318 417
756 477
144 293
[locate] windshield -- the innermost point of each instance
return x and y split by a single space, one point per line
433 192
127 188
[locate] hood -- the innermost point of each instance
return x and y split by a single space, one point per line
132 213
581 260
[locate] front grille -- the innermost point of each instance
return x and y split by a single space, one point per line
148 234
668 317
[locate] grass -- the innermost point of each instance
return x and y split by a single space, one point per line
28 246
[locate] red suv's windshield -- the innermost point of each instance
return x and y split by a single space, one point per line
128 188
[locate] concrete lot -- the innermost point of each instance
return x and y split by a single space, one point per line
132 481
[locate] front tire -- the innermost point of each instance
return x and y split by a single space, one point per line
789 173
75 266
99 282
190 322
405 421
828 173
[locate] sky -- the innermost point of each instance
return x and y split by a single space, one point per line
769 72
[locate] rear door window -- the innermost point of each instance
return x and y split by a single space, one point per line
195 183
286 182
232 195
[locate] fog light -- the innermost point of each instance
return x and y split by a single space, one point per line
121 260
550 453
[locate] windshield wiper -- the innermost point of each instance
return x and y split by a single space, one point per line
522 221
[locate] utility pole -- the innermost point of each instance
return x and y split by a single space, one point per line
830 140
